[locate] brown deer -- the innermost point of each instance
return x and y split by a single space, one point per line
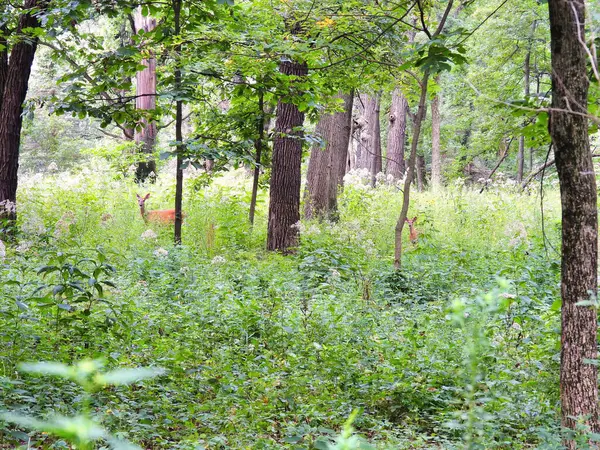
165 216
413 233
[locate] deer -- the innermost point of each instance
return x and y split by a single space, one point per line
413 233
164 216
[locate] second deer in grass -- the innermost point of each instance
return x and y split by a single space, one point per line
164 216
413 233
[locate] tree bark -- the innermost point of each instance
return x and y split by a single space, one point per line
178 128
284 202
436 154
261 128
326 164
395 165
421 173
16 83
368 151
412 162
521 154
568 128
146 100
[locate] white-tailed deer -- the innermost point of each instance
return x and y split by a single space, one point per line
413 233
164 216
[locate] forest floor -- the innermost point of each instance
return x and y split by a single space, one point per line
459 349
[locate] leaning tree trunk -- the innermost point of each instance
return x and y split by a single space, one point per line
16 83
284 202
568 128
395 166
436 154
325 164
146 100
421 173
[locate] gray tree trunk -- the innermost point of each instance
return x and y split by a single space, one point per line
395 164
325 164
568 128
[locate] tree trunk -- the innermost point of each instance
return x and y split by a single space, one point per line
284 203
436 154
395 165
368 152
16 83
146 100
178 128
261 128
568 128
421 173
412 163
326 164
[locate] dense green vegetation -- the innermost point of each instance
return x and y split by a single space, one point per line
266 351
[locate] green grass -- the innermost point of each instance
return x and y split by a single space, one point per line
267 352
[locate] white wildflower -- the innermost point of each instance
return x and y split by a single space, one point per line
218 260
149 234
466 315
299 226
161 252
2 251
516 326
335 274
33 225
8 206
52 167
24 246
314 229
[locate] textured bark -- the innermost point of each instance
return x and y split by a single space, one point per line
368 150
436 153
146 100
325 164
569 132
3 61
284 202
395 165
16 84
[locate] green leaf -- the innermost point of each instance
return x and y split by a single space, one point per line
127 376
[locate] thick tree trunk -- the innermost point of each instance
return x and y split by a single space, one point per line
436 153
395 165
146 100
368 152
16 83
569 131
325 164
284 202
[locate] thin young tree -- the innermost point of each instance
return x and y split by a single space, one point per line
177 4
568 128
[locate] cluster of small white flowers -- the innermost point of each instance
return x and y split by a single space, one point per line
149 234
517 232
161 252
335 274
8 206
33 225
516 326
52 167
381 178
218 260
358 178
24 246
299 226
2 251
314 229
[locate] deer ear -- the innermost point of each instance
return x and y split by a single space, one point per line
406 219
138 195
147 195
415 219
